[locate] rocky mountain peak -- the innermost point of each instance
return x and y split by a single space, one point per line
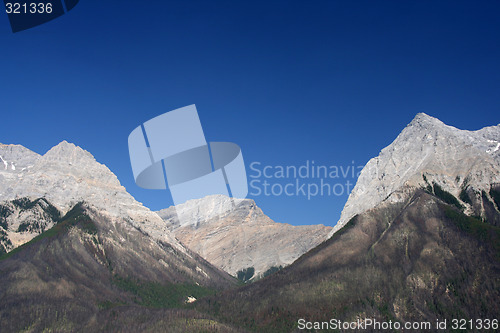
234 234
68 153
423 120
427 152
67 175
209 208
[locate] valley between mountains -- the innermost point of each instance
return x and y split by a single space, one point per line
418 240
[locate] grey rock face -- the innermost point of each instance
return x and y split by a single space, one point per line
242 237
16 158
14 161
454 159
66 175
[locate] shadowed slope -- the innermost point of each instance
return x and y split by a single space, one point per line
415 260
87 269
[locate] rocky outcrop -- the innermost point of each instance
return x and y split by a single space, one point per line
14 161
23 219
241 237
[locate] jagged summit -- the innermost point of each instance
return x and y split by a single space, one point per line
68 152
17 155
65 146
68 174
211 207
452 158
234 234
425 123
4 145
422 118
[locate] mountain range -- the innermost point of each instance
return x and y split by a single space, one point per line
418 241
66 175
78 246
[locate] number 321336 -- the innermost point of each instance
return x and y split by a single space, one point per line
28 8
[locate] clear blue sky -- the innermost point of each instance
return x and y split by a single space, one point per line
289 81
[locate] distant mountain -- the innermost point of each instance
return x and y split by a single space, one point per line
428 152
67 175
414 249
240 238
83 255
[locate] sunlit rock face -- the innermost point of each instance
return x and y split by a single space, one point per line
425 153
234 234
67 175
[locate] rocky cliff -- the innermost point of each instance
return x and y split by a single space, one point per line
240 238
427 152
67 175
